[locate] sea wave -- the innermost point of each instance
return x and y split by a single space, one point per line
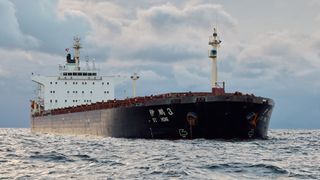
286 154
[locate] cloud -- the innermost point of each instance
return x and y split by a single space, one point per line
151 75
169 33
166 32
192 77
17 65
10 34
172 34
39 19
166 42
155 36
278 56
105 19
3 72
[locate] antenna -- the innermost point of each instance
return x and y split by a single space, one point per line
134 77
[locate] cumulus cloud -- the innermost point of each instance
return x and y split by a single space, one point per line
281 59
155 36
190 77
174 34
167 32
166 42
151 75
277 54
10 33
3 72
40 20
17 65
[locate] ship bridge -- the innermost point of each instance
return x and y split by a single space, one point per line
73 85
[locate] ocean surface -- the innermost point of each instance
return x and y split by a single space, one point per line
287 154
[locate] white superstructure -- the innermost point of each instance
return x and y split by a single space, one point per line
73 86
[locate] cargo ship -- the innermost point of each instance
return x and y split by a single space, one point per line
81 101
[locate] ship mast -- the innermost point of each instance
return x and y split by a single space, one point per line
214 41
77 47
134 77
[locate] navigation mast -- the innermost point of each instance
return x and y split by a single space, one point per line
77 47
214 41
134 77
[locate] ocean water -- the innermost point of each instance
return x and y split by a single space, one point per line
287 154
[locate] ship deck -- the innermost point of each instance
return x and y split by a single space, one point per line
140 101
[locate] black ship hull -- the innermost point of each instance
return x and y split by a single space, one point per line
208 117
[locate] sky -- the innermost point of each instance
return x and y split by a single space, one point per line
269 48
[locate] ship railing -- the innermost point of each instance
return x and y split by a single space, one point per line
136 101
